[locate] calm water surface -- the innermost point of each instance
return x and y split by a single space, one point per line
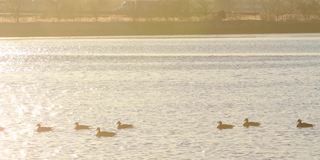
174 90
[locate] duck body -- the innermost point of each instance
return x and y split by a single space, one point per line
44 129
303 124
124 126
104 133
250 124
1 129
81 127
224 126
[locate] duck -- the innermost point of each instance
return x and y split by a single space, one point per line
250 124
224 126
80 127
43 129
123 126
104 133
1 129
303 124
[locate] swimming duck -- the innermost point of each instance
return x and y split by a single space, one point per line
123 126
104 133
250 124
224 126
80 127
43 129
303 124
1 129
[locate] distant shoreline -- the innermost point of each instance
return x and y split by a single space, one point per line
43 29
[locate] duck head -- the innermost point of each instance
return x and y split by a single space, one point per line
77 123
246 120
220 123
299 120
98 129
118 123
38 125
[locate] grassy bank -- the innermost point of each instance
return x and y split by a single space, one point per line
154 28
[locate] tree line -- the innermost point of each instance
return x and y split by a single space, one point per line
273 10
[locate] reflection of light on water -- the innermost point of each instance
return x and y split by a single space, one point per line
9 47
36 111
14 136
155 99
56 151
23 153
20 110
31 130
1 109
74 156
53 114
6 151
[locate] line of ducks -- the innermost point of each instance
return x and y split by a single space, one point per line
78 126
120 125
248 124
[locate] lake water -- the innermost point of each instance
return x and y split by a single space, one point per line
173 89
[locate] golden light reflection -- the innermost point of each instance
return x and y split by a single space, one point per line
10 48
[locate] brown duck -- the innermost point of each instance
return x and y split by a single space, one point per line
248 124
80 127
224 126
43 129
123 126
104 133
303 124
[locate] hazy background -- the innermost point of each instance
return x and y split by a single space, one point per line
157 10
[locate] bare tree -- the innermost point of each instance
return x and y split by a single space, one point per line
67 8
15 8
50 8
307 8
182 8
273 9
223 5
204 6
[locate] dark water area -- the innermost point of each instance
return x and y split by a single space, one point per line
155 28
